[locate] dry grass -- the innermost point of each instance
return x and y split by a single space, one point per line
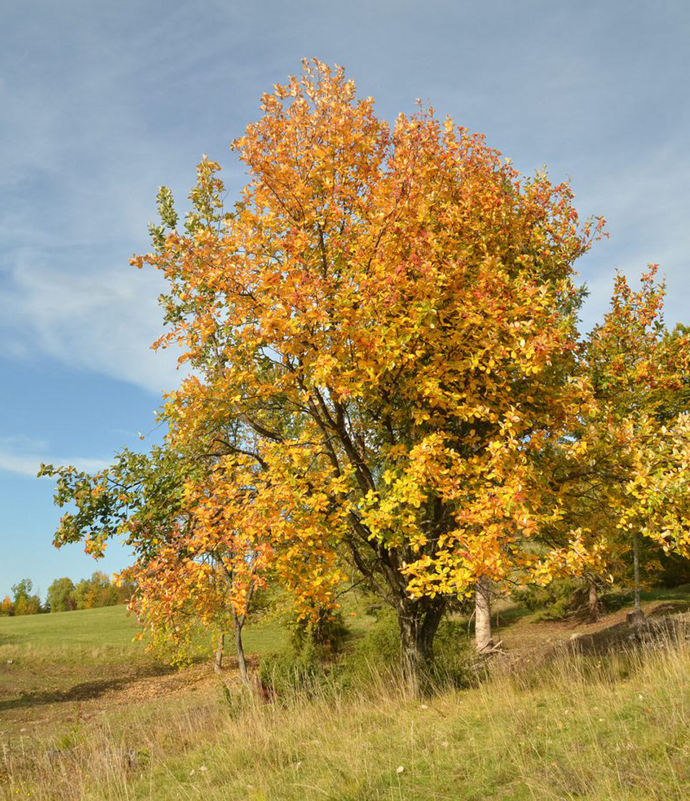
603 728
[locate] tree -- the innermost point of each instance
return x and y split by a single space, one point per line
60 596
212 564
199 555
95 592
384 325
638 372
658 488
24 602
7 607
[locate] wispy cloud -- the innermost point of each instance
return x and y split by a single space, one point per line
24 457
95 319
644 195
88 135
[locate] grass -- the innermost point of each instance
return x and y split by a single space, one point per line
576 728
110 627
55 659
106 634
85 717
57 667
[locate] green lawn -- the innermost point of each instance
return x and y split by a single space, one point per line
110 626
110 629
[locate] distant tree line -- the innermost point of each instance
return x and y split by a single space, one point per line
64 595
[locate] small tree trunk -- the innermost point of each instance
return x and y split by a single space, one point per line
218 660
636 569
482 616
637 616
593 605
239 649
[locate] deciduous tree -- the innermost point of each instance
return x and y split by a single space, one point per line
639 372
385 325
388 315
188 517
24 602
60 596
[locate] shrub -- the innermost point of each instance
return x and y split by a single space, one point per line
295 672
558 600
326 636
310 661
371 658
378 654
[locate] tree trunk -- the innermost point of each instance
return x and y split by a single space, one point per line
218 661
411 656
636 569
483 642
418 622
593 605
239 649
637 616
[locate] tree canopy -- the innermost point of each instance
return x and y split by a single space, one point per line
387 380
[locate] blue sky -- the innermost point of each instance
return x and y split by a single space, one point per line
100 103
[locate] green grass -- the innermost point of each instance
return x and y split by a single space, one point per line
262 640
110 626
109 629
56 666
577 728
573 727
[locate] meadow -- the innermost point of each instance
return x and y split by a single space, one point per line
86 713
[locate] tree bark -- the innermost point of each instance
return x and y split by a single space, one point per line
636 571
483 641
239 649
636 617
218 660
593 605
418 622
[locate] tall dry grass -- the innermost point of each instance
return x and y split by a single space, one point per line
609 728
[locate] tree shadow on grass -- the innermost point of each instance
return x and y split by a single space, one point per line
84 691
664 624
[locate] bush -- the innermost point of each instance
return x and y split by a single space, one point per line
310 661
375 656
378 654
326 636
558 600
296 672
616 599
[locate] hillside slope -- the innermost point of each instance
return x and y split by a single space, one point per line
550 724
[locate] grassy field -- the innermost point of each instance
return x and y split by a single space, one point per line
110 627
609 732
57 666
48 662
569 727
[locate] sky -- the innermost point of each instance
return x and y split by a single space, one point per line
101 103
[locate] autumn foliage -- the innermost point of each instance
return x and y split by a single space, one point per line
387 382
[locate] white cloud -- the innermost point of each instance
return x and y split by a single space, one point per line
95 319
24 456
94 123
